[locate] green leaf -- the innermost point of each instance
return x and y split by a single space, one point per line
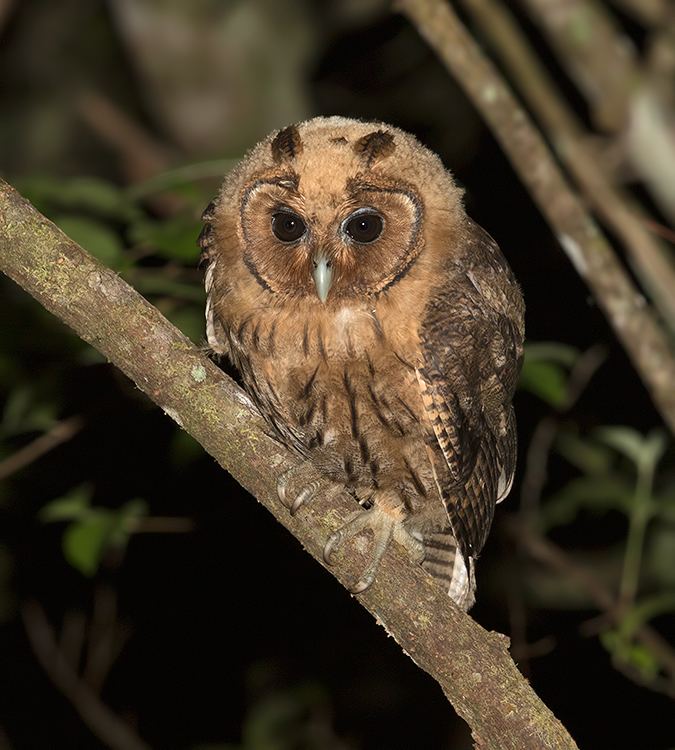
174 238
595 493
644 451
80 194
126 519
664 505
659 560
551 351
95 531
74 505
645 610
183 177
25 413
637 656
86 541
546 380
587 455
94 236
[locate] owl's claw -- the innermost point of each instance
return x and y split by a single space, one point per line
307 493
383 526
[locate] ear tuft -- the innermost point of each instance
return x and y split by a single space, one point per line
286 144
375 146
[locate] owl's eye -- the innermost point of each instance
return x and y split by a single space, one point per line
364 227
287 226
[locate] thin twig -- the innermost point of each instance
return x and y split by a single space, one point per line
142 156
162 525
648 12
595 52
60 433
102 634
100 719
634 322
544 551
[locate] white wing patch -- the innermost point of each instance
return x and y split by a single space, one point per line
210 315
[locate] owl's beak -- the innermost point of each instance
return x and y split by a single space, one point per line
323 275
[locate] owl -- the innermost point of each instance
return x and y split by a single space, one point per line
379 332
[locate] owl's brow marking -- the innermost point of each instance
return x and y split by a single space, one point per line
286 144
375 146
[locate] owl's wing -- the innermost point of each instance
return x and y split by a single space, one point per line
472 343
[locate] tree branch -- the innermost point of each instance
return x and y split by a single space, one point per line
597 55
471 665
648 256
105 724
632 319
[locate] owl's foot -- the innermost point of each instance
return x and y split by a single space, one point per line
385 527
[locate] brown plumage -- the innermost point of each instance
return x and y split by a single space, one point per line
378 330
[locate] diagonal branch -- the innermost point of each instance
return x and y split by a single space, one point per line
471 665
627 311
628 220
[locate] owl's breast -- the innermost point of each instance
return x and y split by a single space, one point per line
344 395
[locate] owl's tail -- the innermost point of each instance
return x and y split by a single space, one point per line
443 560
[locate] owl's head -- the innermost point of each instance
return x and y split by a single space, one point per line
332 209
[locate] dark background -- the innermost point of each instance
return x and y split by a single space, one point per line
234 636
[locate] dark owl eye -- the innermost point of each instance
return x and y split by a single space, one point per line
364 227
287 226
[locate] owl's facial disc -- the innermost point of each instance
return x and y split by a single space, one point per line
334 242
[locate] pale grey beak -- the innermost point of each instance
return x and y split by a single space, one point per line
323 275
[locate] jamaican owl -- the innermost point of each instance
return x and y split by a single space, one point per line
377 329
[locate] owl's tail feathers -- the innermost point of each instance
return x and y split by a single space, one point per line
443 560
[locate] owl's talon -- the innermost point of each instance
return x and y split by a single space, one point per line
307 492
382 525
305 495
282 485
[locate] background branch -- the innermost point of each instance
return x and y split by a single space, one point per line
109 727
648 256
634 322
471 665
